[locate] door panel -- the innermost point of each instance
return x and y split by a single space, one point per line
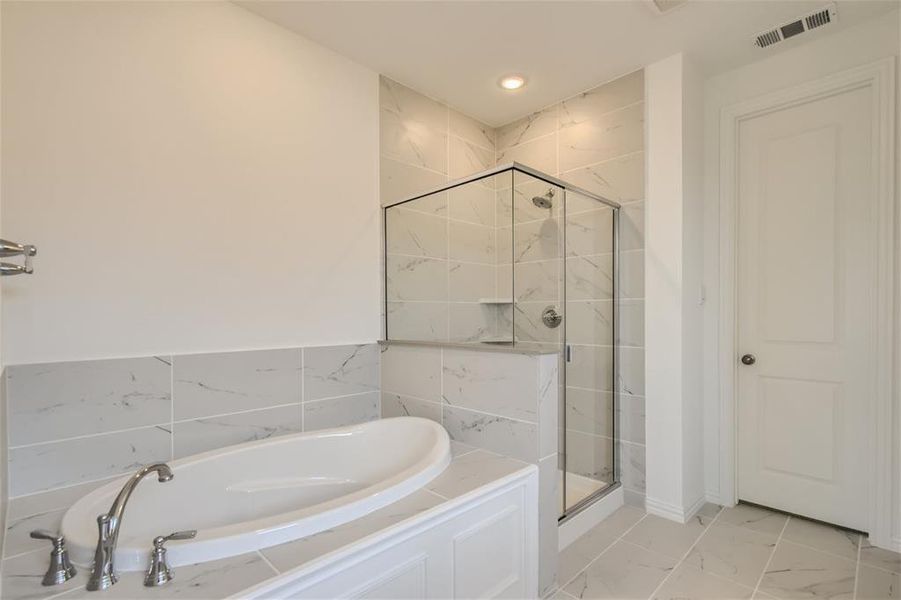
806 307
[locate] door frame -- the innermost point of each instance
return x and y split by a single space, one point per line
880 77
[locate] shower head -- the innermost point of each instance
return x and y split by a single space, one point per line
546 201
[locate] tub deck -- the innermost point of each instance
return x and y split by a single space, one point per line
25 560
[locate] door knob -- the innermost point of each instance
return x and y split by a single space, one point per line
748 359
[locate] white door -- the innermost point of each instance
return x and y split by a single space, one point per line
807 307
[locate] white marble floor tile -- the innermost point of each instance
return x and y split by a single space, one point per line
878 557
690 583
801 572
667 537
622 571
736 553
754 517
877 584
823 537
590 545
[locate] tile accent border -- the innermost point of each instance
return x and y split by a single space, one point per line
74 422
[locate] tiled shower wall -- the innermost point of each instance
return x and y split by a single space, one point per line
595 140
74 422
442 249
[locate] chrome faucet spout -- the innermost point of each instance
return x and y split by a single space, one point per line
103 575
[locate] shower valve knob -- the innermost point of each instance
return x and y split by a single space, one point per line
551 317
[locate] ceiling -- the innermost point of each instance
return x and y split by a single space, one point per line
457 51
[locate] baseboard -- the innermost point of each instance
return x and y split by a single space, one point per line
673 512
574 527
713 497
634 498
896 544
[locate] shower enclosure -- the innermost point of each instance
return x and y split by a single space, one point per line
515 257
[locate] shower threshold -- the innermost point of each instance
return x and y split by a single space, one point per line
578 487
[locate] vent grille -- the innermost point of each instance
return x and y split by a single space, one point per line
818 19
768 39
822 17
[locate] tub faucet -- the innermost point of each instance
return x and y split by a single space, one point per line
103 575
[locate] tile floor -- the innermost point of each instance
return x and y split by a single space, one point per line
745 552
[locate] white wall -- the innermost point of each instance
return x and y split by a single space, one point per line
830 54
195 178
672 283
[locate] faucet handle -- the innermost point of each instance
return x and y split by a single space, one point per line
45 534
60 569
159 573
188 534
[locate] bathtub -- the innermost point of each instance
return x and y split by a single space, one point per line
259 494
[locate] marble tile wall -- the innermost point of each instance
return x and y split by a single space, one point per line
441 258
75 422
504 402
594 140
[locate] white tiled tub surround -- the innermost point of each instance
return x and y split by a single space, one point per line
441 257
472 471
595 140
75 422
502 402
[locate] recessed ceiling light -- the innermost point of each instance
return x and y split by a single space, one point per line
512 82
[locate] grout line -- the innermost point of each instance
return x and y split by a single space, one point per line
237 412
303 383
441 386
411 397
495 415
857 568
772 554
440 258
171 407
162 425
311 400
268 562
106 479
687 553
171 424
465 141
434 493
632 154
808 546
606 548
399 159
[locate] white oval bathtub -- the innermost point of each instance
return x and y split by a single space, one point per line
259 494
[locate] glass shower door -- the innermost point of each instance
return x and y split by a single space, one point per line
589 399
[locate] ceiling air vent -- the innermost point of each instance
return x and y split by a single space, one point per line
819 18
